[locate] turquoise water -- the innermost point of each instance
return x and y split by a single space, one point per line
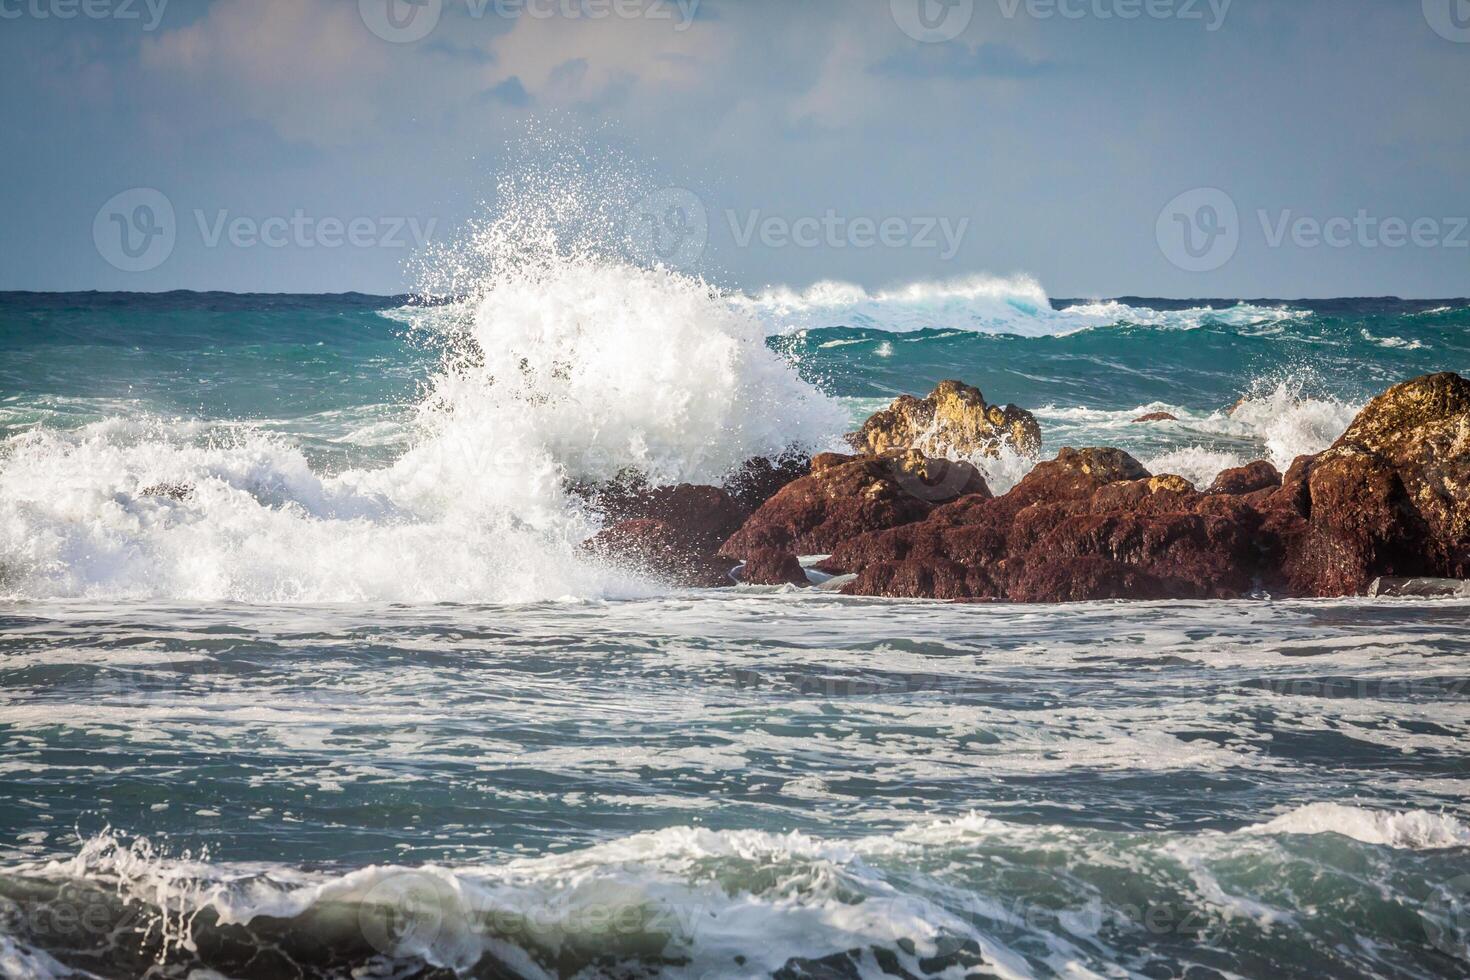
355 707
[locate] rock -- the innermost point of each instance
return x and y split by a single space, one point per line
174 491
662 550
930 579
671 533
1250 478
1171 482
1091 524
704 516
1421 588
845 497
1362 525
954 420
1082 580
1421 429
1076 473
826 461
759 479
1157 417
1390 500
771 567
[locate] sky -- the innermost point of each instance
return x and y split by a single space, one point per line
1183 148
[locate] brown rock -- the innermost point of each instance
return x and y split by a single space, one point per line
703 516
1362 525
825 461
663 551
954 420
1250 478
1421 428
841 500
758 479
1091 524
1082 580
933 579
1391 499
770 567
1157 417
1076 473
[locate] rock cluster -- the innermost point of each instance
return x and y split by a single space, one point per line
1389 500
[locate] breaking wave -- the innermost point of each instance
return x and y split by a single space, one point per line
934 899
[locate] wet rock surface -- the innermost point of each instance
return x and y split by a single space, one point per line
953 421
1390 500
846 496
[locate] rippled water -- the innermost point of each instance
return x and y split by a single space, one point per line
354 707
817 774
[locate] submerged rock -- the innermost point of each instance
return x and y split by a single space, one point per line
954 420
1421 588
771 567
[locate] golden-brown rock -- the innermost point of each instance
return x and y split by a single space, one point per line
954 420
1421 428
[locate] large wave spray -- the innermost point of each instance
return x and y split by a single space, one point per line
563 361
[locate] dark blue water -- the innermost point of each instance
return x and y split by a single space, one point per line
354 706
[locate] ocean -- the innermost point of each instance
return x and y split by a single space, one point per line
304 674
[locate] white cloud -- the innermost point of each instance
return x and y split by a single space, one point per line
310 68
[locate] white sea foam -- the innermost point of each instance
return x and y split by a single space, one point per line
1015 305
736 903
1416 830
1277 423
564 362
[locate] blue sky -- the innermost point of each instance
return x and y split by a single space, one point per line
1284 148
